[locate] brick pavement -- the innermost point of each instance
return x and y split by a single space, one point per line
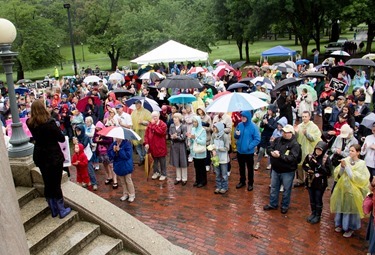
233 223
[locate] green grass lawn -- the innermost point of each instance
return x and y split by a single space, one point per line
222 50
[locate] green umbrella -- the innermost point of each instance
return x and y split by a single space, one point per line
310 90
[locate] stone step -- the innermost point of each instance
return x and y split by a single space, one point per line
102 245
73 239
47 230
25 195
33 212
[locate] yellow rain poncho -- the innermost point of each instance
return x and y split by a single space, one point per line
349 191
309 141
137 117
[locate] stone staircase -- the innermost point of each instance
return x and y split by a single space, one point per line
71 235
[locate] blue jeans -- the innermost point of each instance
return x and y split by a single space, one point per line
140 151
92 173
286 179
222 176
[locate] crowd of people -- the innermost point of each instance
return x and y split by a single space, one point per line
299 152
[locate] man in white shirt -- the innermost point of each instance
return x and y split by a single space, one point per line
368 149
123 118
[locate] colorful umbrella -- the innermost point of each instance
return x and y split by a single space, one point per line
217 61
236 102
263 80
152 76
81 105
182 99
196 70
340 53
147 103
120 133
221 94
220 69
310 90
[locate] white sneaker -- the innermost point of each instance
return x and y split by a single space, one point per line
282 188
256 166
131 198
269 167
162 178
348 233
190 159
228 173
207 168
95 187
155 176
338 229
266 155
124 197
97 167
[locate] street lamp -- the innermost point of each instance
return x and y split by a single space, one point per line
67 7
61 66
19 140
83 53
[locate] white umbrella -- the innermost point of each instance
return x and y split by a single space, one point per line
94 78
217 61
116 77
263 80
236 102
150 106
151 76
340 53
369 56
261 95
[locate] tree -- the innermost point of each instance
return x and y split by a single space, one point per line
36 36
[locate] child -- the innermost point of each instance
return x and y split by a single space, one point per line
220 147
316 180
79 160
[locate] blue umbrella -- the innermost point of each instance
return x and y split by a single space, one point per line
237 85
147 103
21 90
302 62
182 99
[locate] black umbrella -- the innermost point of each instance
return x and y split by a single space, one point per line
24 81
246 79
237 85
180 82
122 92
238 64
314 75
209 86
360 62
338 69
284 84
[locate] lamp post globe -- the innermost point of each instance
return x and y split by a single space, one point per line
19 140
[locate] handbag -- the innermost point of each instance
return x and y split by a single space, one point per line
367 204
198 148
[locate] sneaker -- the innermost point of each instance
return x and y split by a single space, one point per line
124 197
269 167
97 167
348 233
256 167
338 229
268 208
190 159
217 191
162 178
282 188
266 155
228 173
95 187
223 191
207 168
155 176
131 198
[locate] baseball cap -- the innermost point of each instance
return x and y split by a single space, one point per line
288 129
341 97
119 106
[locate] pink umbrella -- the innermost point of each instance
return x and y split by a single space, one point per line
196 70
219 71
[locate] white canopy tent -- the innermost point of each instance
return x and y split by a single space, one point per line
171 51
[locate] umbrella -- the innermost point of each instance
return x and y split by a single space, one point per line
310 90
21 90
246 79
302 62
291 64
147 103
284 67
92 79
360 62
180 82
237 85
340 53
252 67
221 94
238 64
81 105
263 80
314 75
209 86
182 99
217 61
152 76
369 120
149 161
260 95
119 132
24 81
196 70
338 69
116 77
369 56
219 71
287 83
236 102
122 92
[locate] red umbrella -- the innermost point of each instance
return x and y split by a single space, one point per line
219 71
196 70
221 94
81 105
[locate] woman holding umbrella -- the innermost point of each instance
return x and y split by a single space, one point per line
92 110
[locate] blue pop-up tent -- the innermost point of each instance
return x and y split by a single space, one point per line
279 51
